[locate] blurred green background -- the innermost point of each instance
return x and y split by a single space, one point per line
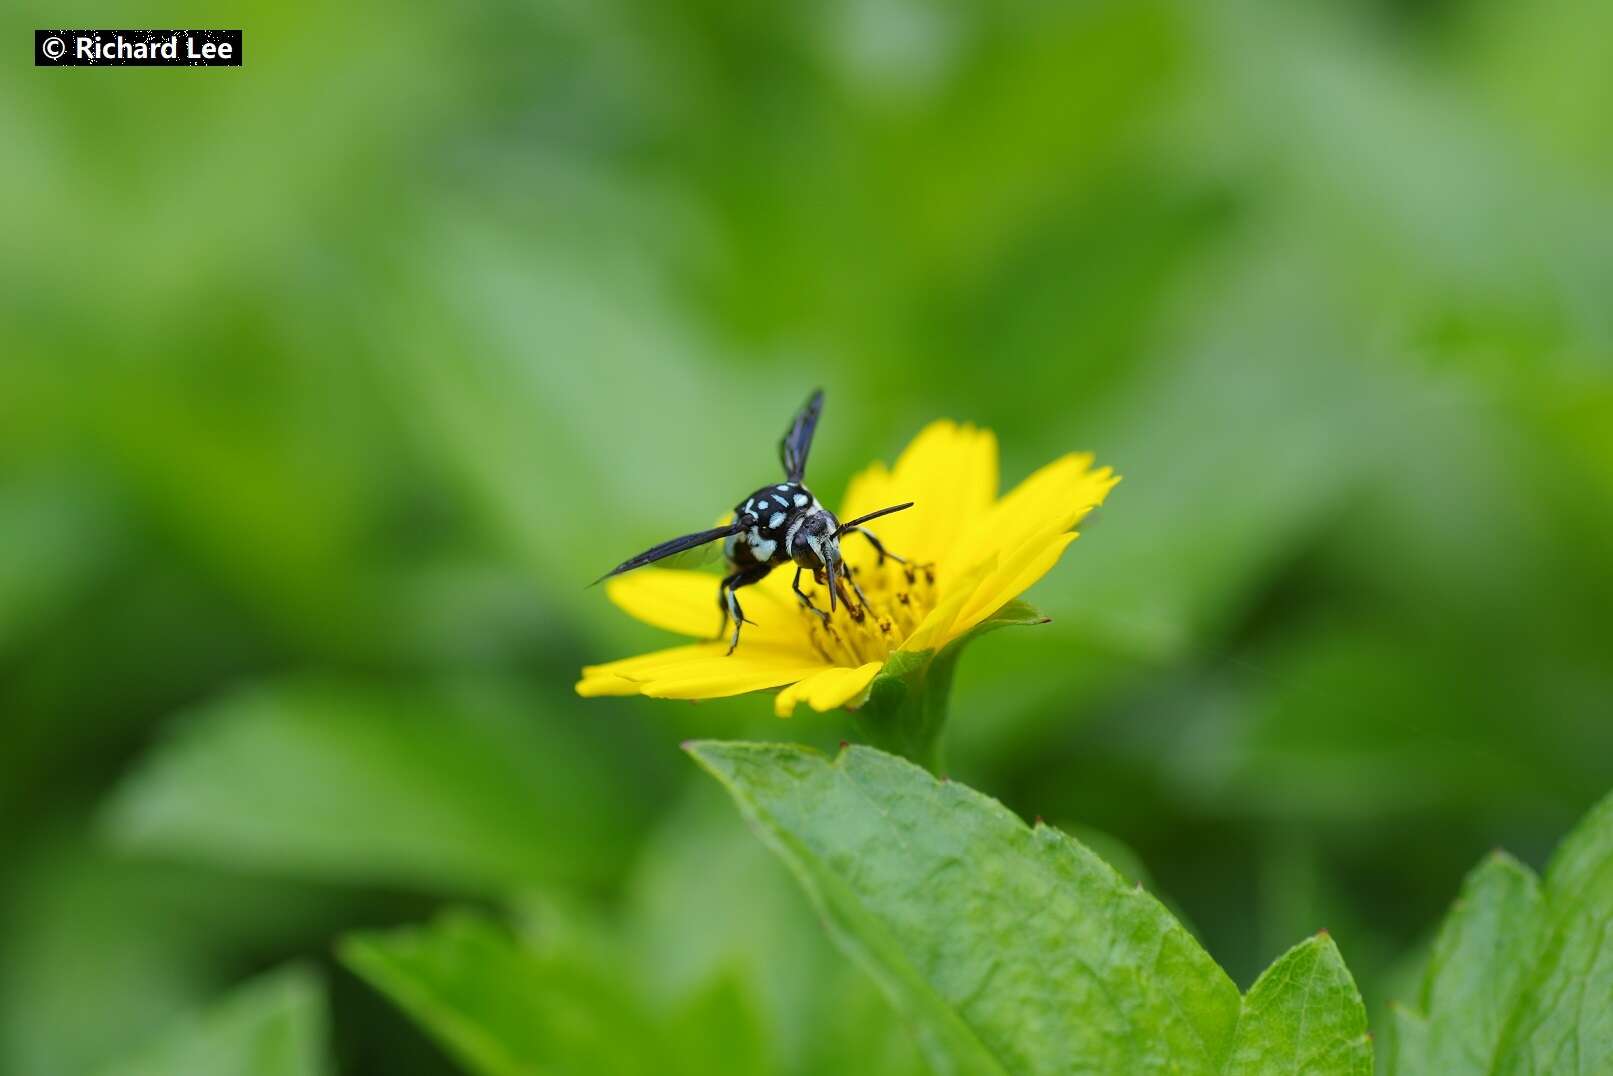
326 385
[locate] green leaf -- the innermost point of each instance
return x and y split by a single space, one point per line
506 1007
1304 1015
54 539
707 900
1479 961
1521 976
1408 1041
718 1031
1016 613
459 790
1014 949
80 924
272 1026
501 1009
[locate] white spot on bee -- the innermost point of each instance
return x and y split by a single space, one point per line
800 500
763 551
785 488
775 521
782 503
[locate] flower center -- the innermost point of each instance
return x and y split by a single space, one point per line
899 598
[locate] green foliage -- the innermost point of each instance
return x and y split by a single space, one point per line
716 965
103 949
1303 1015
1013 949
271 1026
442 789
709 902
1521 976
1004 949
509 1009
342 394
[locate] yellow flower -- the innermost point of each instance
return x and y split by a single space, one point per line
970 553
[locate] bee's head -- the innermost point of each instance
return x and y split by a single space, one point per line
815 545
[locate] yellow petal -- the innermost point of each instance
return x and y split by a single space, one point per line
828 689
595 686
1010 580
1052 499
629 675
717 683
680 601
700 671
749 655
949 471
934 630
686 602
637 666
869 488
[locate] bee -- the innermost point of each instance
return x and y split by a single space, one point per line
778 525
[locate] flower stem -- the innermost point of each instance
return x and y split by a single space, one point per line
906 710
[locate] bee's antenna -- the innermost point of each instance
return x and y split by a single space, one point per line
844 527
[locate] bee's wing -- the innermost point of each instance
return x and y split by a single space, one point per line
693 559
792 451
675 545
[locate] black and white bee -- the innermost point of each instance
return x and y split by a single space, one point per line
777 525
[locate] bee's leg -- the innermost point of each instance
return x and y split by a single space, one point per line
806 601
908 566
879 546
744 577
726 602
